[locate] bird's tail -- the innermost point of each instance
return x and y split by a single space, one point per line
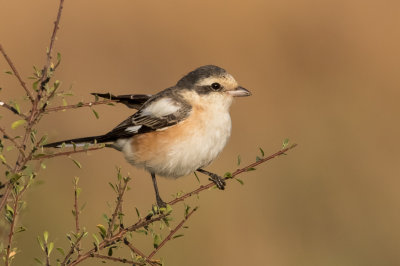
79 141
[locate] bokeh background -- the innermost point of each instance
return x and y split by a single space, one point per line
323 73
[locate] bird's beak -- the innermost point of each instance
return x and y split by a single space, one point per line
239 92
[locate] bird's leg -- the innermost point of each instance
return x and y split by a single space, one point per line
218 181
160 202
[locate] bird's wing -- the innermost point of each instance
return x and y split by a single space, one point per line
156 115
133 101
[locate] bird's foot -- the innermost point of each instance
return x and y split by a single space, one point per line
218 181
160 207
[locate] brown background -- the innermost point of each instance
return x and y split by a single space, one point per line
322 73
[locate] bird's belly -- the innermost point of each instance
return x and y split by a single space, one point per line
181 149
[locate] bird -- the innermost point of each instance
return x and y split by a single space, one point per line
177 131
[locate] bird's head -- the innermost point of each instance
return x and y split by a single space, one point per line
214 82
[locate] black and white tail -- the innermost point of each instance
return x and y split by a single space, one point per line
79 142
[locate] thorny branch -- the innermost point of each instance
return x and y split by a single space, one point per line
14 69
168 238
33 117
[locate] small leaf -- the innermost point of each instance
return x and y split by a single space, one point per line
97 242
39 261
8 72
61 251
228 175
17 123
180 235
156 240
51 246
76 163
240 181
258 158
137 212
262 152
40 243
102 230
285 143
16 106
45 236
250 169
95 113
20 229
238 160
2 158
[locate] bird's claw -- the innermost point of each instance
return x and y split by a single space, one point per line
218 181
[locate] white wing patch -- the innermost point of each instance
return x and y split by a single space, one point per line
133 129
160 108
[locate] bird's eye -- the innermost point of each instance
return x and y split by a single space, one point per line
216 86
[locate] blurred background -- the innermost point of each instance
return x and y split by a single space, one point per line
322 73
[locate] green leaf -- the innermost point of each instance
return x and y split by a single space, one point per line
39 261
35 85
176 236
95 113
2 158
102 229
9 72
45 236
238 160
51 246
16 106
40 243
20 229
80 104
17 123
137 212
156 240
262 152
97 242
78 164
228 175
58 58
61 251
250 169
56 84
285 143
240 181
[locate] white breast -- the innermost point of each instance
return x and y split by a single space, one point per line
189 145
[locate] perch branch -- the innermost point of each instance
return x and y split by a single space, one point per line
237 172
171 234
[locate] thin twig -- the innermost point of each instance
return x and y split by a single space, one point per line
52 40
14 69
138 252
12 226
73 247
76 207
237 172
116 259
16 144
79 105
121 191
41 157
117 237
171 233
12 109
